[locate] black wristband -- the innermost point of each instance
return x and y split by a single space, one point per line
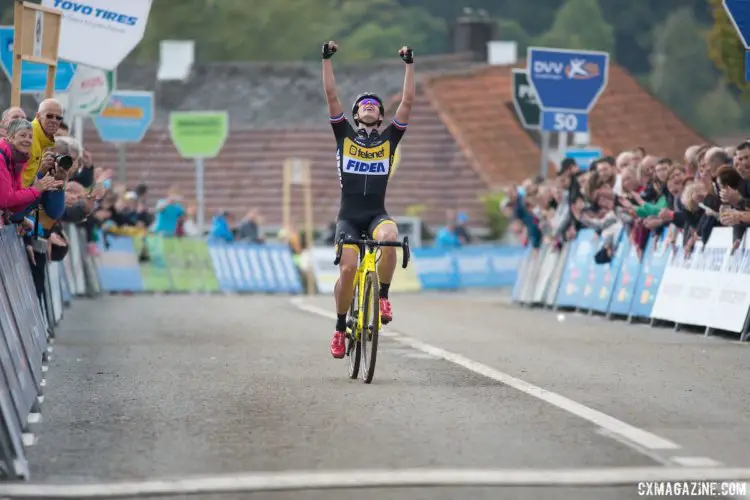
327 53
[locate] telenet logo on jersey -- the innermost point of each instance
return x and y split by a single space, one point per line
366 161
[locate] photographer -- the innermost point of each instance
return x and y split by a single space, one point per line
61 162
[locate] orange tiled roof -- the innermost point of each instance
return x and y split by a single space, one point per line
474 106
477 107
627 115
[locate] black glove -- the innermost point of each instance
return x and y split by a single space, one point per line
328 51
407 55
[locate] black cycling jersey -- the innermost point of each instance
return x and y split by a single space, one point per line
365 165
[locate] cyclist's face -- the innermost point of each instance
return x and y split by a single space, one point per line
369 111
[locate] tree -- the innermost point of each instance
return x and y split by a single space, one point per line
511 30
682 71
580 24
718 112
726 49
379 32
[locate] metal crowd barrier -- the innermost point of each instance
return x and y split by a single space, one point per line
27 325
183 265
707 288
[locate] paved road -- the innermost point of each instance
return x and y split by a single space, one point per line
151 387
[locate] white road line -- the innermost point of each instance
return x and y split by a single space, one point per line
638 436
357 479
695 461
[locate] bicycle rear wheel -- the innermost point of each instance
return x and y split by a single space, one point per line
371 326
353 346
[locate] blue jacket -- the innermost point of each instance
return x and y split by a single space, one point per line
220 229
53 204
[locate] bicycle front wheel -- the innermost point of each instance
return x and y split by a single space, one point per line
353 345
370 326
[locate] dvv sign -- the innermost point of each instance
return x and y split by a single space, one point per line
739 13
567 84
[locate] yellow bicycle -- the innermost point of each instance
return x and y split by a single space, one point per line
364 312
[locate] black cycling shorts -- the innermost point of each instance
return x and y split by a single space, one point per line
354 228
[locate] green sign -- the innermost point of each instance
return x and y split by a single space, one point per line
177 265
524 100
199 134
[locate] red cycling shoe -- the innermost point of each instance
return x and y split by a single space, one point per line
386 315
338 345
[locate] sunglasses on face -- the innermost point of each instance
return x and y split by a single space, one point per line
371 102
51 116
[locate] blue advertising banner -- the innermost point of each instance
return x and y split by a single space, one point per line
655 261
119 269
576 274
241 267
606 276
127 116
436 269
584 157
487 267
33 75
624 289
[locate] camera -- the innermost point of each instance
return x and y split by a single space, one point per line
64 161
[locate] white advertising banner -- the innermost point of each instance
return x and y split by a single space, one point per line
325 272
730 305
691 288
100 33
90 90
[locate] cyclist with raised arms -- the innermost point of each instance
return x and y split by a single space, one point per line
364 159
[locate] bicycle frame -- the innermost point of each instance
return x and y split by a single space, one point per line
367 264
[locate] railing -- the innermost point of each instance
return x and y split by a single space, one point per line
707 288
27 331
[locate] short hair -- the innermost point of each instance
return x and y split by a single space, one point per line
743 145
18 125
664 161
67 144
728 176
717 156
674 170
64 126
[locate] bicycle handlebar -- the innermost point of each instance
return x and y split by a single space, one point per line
404 244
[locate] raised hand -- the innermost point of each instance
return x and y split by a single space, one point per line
329 48
407 54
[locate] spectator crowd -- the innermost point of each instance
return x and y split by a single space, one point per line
46 179
636 194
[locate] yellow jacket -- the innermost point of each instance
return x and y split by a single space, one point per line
39 143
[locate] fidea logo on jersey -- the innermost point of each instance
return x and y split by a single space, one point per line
369 161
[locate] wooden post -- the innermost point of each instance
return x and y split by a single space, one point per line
286 195
297 171
36 39
309 226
